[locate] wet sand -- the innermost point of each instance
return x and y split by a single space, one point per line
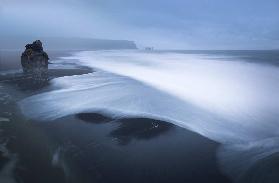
10 59
95 147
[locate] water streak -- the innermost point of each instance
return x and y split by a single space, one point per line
232 102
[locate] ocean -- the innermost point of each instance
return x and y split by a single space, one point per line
228 97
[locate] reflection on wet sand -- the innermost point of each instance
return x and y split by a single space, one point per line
95 147
25 150
29 82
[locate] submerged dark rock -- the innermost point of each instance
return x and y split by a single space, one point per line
34 60
139 129
96 118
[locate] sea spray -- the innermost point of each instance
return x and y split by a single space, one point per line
232 102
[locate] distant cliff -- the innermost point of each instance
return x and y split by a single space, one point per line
58 43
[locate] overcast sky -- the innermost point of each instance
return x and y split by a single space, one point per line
166 24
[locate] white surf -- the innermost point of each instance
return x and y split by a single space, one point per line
231 102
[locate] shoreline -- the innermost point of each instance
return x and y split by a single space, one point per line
88 147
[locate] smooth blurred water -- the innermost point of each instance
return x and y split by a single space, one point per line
230 97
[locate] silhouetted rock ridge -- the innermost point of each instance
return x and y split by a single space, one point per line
34 59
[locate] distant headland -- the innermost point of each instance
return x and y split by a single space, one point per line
63 43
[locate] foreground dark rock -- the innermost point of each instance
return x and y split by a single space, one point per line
34 63
34 60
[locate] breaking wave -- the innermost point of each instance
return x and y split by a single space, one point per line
231 102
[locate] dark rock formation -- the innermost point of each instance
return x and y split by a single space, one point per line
34 59
34 63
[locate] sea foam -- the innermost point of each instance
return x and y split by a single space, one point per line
231 102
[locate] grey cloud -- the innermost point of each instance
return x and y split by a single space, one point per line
171 23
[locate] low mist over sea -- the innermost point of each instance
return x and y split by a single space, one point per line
127 91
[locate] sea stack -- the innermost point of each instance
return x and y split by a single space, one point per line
34 60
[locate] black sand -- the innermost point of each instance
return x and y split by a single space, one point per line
94 147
